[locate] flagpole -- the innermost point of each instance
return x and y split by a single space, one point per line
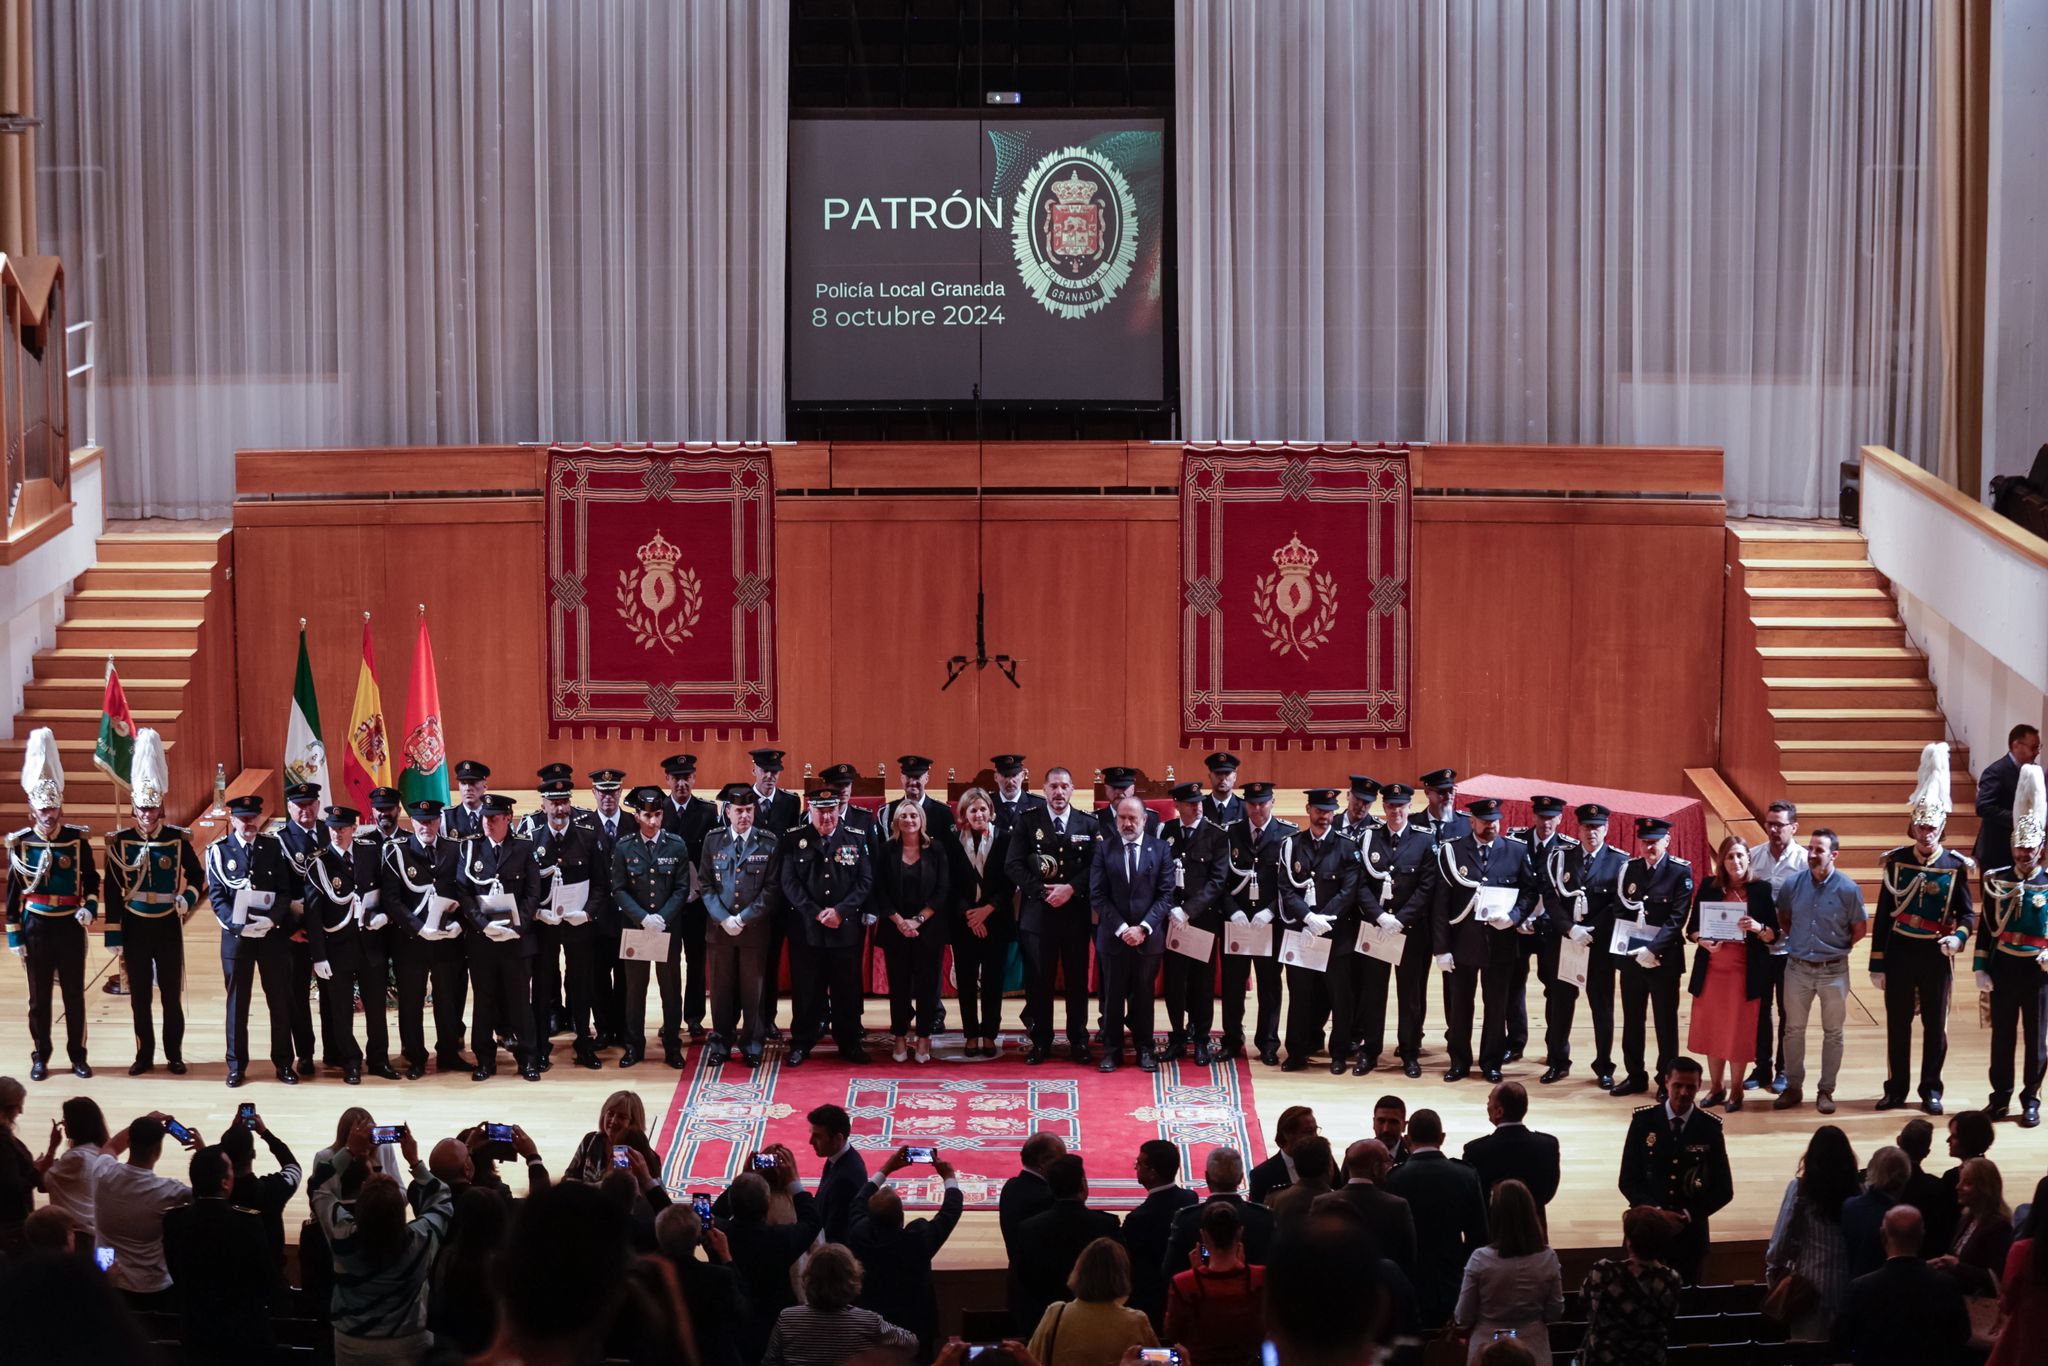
115 986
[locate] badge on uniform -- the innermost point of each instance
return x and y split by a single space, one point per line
477 867
1650 1139
163 860
64 860
1376 857
803 844
1463 869
1631 889
337 884
847 855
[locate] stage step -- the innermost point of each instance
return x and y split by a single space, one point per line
1778 573
1856 724
1850 692
119 635
139 604
1878 755
147 574
1843 661
70 663
159 547
1824 631
82 723
80 693
1813 786
1820 602
1882 817
1802 543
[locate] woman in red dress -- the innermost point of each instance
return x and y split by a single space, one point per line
1729 978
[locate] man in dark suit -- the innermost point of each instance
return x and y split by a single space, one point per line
1905 1313
608 820
844 1171
501 887
575 868
1148 1229
826 876
738 876
897 1257
1676 1158
1011 797
1048 1244
1486 892
1223 1176
1884 1181
1400 857
1390 1127
220 1261
1254 885
1276 1173
421 895
1052 850
1514 1151
1027 1193
1449 1205
466 817
1130 890
1996 787
712 1290
916 771
1222 807
1924 1190
1598 866
1367 1164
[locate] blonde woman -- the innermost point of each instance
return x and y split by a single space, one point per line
912 898
621 1122
984 919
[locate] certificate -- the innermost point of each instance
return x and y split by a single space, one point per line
1194 943
1573 960
1302 950
248 899
1630 935
1248 941
643 946
1385 945
1722 919
1489 903
568 897
439 908
502 903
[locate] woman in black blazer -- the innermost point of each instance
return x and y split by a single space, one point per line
1729 980
984 919
912 896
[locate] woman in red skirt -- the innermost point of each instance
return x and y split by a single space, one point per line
1729 978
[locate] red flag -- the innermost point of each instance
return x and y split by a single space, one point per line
366 761
423 773
115 752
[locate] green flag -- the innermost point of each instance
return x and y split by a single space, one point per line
305 755
114 755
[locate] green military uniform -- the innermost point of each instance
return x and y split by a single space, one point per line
2012 961
652 878
153 883
53 893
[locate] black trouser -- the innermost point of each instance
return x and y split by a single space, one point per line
1770 1038
1689 1249
1561 999
668 977
1238 973
608 984
1190 995
373 984
1411 985
1308 1011
1527 947
1128 984
978 965
816 971
338 1008
733 968
1059 951
1600 966
269 960
153 956
444 963
1363 1017
553 943
691 925
1490 985
502 981
302 996
771 980
2019 990
1648 991
55 956
1917 975
914 968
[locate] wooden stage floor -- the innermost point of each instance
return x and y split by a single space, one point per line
557 1111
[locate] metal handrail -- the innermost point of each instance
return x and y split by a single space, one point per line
92 398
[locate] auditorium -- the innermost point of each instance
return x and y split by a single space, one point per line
1030 682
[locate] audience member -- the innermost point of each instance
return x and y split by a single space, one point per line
562 1279
1450 1216
2023 1293
1026 1193
1390 1126
711 1289
129 1201
1806 1263
1222 1174
1514 1151
1863 1215
1320 1309
462 1309
323 1159
1276 1173
1094 1328
220 1260
1514 1283
1507 1352
1386 1216
71 1178
898 1256
1148 1230
1216 1306
1050 1243
47 1230
267 1194
1904 1313
1924 1190
1970 1134
763 1253
621 1122
844 1172
381 1260
1315 1174
1977 1254
60 1310
829 1327
19 1179
1630 1303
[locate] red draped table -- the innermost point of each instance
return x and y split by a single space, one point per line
1687 815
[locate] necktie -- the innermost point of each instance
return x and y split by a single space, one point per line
1483 852
1059 825
1130 862
1678 1129
611 828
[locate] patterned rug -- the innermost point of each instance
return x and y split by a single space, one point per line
976 1112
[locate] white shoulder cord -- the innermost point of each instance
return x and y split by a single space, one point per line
1450 872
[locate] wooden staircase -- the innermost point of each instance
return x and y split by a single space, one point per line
1825 701
158 602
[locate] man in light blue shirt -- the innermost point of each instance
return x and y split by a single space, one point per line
1822 915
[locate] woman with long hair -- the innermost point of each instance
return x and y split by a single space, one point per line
1976 1258
1729 979
1096 1327
19 1177
1808 1242
912 899
1513 1286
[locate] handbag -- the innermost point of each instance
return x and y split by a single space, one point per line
1793 1297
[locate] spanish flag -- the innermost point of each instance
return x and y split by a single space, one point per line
366 763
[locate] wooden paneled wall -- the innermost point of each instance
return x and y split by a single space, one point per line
1575 638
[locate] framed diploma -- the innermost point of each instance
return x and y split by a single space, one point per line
1722 919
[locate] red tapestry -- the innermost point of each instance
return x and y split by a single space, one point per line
661 591
1295 619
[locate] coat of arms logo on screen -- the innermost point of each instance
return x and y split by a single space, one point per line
646 597
1294 591
1074 229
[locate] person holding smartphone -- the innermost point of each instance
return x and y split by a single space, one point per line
130 1201
898 1256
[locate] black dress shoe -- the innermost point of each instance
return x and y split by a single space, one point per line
532 1073
1205 1055
752 1059
587 1058
1270 1056
716 1057
306 1066
1457 1073
796 1057
1514 1055
139 1066
1338 1067
1295 1065
1034 1056
1888 1101
1492 1074
383 1069
177 1066
2030 1114
1931 1105
1411 1068
1633 1086
453 1062
234 1077
1555 1072
857 1056
630 1057
352 1073
37 1069
287 1076
1109 1063
1175 1050
1361 1067
483 1073
1996 1109
1606 1080
415 1070
1148 1062
673 1056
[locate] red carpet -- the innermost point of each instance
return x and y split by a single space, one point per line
977 1113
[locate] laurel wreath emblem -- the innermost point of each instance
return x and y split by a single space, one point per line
1280 632
646 622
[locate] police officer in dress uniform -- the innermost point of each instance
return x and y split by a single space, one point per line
1052 851
839 778
1201 861
1655 888
1675 1158
691 817
249 865
1254 884
420 897
1012 798
1924 917
385 804
153 882
466 817
1543 837
1356 820
553 1010
1321 896
1598 880
1401 857
1118 783
916 771
826 876
1442 819
1561 869
2011 961
778 811
650 877
502 884
739 875
53 894
340 898
1223 807
607 822
573 867
1477 947
302 835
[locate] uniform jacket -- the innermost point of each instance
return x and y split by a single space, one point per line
1401 869
1936 902
62 868
265 866
780 813
577 855
1689 1172
2015 920
1554 906
832 871
1456 825
693 820
1225 813
1253 876
1454 919
461 820
1516 1152
650 878
150 878
1008 813
1121 901
746 889
409 864
1202 859
337 886
1070 857
509 866
1355 830
1664 894
300 844
1331 870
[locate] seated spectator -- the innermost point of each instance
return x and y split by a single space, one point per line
621 1122
763 1253
70 1179
219 1258
1222 1173
1514 1283
1049 1244
381 1260
462 1308
1863 1215
19 1179
47 1230
1315 1171
828 1327
60 1310
1508 1352
267 1194
1094 1328
1630 1303
1970 1134
130 1201
640 1195
1386 1215
1321 1309
1148 1230
2023 1294
897 1257
1026 1193
1216 1306
1807 1240
1904 1313
561 1280
1976 1257
1924 1190
711 1290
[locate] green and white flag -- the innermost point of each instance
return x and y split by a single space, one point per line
305 754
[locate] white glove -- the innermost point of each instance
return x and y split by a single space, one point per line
84 916
1951 944
1390 923
868 919
655 923
257 926
1644 958
546 917
1317 924
1180 917
499 932
1877 980
2042 961
377 921
733 927
1501 920
450 931
21 951
1240 918
1446 962
323 971
576 917
1263 918
1581 935
1526 927
1983 979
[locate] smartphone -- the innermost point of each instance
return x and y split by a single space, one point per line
764 1162
498 1133
380 1134
177 1131
246 1114
103 1258
619 1155
924 1155
1166 1355
1204 1250
975 1349
701 1203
